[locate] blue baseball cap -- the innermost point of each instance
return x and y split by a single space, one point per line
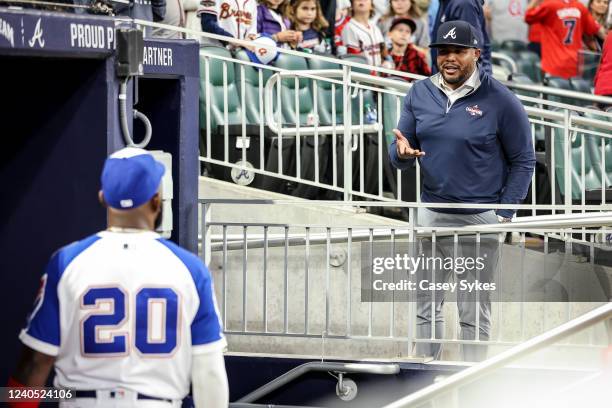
130 178
458 33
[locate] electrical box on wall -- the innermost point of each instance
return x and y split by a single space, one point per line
167 188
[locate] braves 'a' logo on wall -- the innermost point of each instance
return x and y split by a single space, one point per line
37 37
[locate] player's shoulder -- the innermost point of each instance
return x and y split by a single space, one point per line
194 264
68 253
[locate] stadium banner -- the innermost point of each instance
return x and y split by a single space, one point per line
38 33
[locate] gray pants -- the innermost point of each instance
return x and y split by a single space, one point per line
469 304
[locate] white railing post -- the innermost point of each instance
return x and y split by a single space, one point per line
348 153
567 158
205 242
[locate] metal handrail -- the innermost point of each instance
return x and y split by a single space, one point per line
558 92
360 368
410 204
272 123
500 56
401 86
486 367
537 224
351 64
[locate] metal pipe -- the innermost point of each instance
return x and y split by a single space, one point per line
404 232
500 56
405 204
503 359
278 382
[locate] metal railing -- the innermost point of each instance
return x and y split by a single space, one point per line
363 145
302 281
346 154
338 368
489 366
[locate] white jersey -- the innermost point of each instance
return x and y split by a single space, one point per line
366 40
237 17
125 310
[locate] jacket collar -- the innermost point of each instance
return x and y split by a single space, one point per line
473 82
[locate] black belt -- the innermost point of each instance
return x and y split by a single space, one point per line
94 394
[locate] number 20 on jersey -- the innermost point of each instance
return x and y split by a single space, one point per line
153 327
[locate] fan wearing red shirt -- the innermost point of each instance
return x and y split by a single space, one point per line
603 79
563 23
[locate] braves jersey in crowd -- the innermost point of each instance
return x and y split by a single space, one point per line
339 27
363 40
563 23
237 17
125 310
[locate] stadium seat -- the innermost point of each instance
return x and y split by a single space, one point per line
356 58
559 83
513 45
251 75
581 85
529 63
503 62
528 56
215 90
495 46
530 69
392 107
592 165
358 103
220 93
326 92
589 61
521 78
305 117
593 145
324 96
500 73
289 88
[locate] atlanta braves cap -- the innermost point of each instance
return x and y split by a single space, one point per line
403 20
265 50
458 33
130 178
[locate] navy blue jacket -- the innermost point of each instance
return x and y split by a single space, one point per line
153 10
479 152
465 10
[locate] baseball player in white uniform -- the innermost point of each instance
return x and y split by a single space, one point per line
232 18
126 317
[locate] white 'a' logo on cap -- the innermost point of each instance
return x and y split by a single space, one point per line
451 33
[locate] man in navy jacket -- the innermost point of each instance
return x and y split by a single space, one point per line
472 138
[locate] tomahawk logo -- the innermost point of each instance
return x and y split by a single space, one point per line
451 34
38 36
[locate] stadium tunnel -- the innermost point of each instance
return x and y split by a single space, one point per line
60 116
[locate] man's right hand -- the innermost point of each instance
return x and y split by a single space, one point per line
404 151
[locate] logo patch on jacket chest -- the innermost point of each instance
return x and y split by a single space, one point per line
474 110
